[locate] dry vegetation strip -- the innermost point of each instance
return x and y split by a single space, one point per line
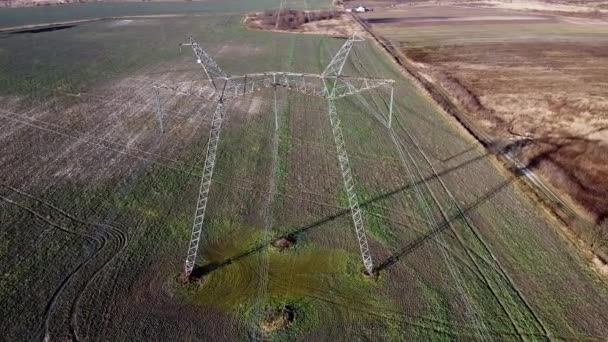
288 19
330 22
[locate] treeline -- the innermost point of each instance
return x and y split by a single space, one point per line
291 19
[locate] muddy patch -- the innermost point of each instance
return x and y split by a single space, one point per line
284 243
278 318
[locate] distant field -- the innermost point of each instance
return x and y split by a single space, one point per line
582 7
96 205
535 78
10 17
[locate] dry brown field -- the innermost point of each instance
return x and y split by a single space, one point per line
533 82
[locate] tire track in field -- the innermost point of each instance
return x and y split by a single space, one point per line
109 233
257 333
494 264
486 281
99 242
485 246
121 237
190 170
340 304
79 134
438 238
122 242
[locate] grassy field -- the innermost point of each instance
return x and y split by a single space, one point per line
11 17
96 205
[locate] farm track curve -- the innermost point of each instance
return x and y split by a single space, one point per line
110 237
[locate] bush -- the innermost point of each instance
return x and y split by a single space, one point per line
292 19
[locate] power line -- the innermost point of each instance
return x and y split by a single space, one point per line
330 85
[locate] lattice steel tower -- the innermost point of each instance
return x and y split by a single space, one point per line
330 85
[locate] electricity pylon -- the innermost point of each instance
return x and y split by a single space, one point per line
330 85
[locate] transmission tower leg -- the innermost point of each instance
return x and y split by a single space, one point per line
276 114
159 110
203 195
349 187
390 109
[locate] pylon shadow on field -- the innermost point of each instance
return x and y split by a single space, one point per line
210 267
470 149
414 244
532 165
201 271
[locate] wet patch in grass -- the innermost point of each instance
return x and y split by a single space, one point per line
315 281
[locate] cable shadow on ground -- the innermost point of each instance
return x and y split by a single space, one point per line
410 247
518 172
441 227
203 270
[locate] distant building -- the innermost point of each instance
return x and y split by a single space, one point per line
359 9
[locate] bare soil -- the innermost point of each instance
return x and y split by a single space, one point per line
284 243
550 94
546 92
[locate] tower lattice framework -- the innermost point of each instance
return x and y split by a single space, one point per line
221 88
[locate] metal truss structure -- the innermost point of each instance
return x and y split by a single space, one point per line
203 194
221 88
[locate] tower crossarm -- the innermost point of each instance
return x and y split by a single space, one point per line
331 85
309 84
345 86
237 86
212 70
349 187
336 65
202 90
203 195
